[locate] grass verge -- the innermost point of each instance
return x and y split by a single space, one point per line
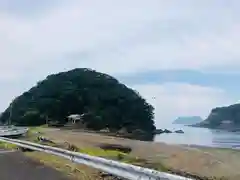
4 145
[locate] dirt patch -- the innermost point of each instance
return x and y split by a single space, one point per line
115 147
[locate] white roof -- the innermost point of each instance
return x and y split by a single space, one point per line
74 116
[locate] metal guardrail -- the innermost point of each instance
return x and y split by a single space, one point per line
119 169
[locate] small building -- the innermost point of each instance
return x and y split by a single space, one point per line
74 118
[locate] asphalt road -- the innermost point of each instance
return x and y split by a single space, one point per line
16 166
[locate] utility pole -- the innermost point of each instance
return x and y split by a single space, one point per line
46 119
10 112
10 115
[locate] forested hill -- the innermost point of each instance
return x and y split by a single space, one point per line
224 118
104 101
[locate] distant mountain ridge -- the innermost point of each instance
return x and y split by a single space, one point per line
188 120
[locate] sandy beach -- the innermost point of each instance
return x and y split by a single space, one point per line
201 161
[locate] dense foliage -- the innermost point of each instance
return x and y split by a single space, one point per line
219 115
104 101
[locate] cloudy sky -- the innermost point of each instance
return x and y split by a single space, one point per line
182 56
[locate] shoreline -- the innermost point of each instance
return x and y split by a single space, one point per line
200 146
209 147
231 129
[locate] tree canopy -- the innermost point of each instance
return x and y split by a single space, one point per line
104 101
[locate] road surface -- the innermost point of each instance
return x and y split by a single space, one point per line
16 166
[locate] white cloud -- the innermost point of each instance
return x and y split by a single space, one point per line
172 100
121 37
142 35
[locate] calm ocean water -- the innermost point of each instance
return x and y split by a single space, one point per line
200 136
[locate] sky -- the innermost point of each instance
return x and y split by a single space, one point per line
182 56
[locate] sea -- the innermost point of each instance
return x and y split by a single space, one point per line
200 137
